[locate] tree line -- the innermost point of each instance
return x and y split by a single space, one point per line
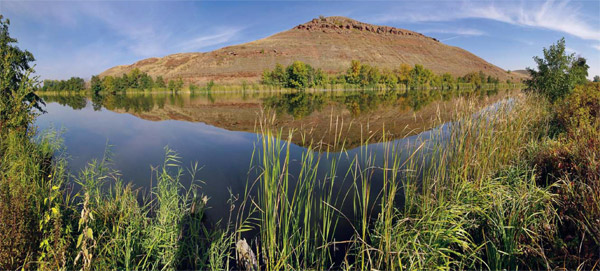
135 79
138 80
300 75
73 84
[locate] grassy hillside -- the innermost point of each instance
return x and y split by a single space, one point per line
328 43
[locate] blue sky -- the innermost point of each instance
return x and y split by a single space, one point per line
82 38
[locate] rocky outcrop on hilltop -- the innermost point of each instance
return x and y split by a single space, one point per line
343 25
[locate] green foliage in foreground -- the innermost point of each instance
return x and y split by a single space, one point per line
17 98
104 226
570 160
557 72
478 205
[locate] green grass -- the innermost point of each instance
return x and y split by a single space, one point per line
468 199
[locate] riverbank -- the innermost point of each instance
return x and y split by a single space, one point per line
517 187
262 88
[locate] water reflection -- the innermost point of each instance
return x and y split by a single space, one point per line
296 104
363 113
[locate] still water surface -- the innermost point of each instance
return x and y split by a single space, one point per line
219 130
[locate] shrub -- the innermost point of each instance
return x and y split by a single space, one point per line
557 73
572 161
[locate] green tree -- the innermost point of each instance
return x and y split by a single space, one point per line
319 78
389 79
579 71
121 83
146 81
266 78
404 73
179 84
75 84
448 81
210 85
133 78
108 83
353 73
17 97
49 85
597 78
96 84
368 75
160 82
279 74
297 75
557 72
171 86
419 76
193 87
277 77
475 78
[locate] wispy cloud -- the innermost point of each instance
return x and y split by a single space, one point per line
221 36
110 34
552 15
457 31
450 38
562 16
596 46
144 36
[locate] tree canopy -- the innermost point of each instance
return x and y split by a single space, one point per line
17 98
73 84
300 75
557 72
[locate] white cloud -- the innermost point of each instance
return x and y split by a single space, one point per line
596 46
140 29
221 36
557 16
457 31
122 32
552 15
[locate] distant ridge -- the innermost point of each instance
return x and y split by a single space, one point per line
329 43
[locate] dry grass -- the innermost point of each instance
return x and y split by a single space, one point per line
322 45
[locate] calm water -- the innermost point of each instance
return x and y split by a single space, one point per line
218 130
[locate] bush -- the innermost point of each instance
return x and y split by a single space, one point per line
575 153
298 75
572 162
557 73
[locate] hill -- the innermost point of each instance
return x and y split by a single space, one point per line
328 43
